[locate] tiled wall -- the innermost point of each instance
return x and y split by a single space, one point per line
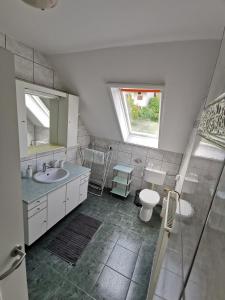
139 158
31 65
37 160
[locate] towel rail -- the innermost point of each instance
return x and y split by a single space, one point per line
99 171
166 229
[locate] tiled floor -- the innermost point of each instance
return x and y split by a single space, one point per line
115 265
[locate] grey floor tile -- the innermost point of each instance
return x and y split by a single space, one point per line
108 232
130 240
111 286
68 291
169 285
42 284
85 274
122 261
143 265
136 292
98 250
49 277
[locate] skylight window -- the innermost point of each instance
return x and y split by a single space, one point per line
138 112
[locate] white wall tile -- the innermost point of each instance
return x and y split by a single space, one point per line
43 75
171 169
19 48
124 157
138 159
125 147
43 159
155 154
24 165
138 171
2 40
172 157
23 68
154 163
71 154
59 155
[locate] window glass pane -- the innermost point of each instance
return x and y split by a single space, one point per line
143 110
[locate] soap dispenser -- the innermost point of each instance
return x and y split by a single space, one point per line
29 171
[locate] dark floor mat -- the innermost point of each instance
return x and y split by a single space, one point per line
71 241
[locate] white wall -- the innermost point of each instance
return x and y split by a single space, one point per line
184 67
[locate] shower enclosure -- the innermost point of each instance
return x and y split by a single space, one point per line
193 264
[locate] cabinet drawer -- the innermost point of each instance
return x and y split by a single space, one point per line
36 202
37 209
84 178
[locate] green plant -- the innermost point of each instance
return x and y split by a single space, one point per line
149 112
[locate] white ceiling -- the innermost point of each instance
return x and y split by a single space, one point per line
78 25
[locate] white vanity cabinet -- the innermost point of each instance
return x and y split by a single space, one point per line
56 206
43 213
72 195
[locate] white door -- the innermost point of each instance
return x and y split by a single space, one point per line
56 206
72 195
13 286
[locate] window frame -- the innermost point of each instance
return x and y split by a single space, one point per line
120 107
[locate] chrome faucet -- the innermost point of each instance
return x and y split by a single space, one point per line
44 167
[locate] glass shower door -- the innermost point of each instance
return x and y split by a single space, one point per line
206 280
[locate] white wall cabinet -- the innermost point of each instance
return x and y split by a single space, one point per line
68 121
56 206
42 214
22 118
63 116
73 195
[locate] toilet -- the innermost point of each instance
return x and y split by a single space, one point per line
148 197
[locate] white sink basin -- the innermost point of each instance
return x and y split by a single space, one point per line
51 175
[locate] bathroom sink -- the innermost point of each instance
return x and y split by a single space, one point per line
51 175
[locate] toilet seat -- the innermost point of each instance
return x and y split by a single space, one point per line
149 197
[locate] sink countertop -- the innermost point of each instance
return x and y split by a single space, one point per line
32 190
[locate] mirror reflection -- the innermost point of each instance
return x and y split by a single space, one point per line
42 117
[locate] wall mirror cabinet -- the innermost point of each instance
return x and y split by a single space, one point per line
47 118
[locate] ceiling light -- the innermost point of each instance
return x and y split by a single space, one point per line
42 4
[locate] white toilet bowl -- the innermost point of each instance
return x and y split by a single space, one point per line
149 199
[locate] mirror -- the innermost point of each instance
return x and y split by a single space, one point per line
42 121
38 119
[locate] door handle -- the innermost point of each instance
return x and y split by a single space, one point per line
17 251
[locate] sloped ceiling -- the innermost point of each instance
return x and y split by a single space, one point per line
78 25
184 67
